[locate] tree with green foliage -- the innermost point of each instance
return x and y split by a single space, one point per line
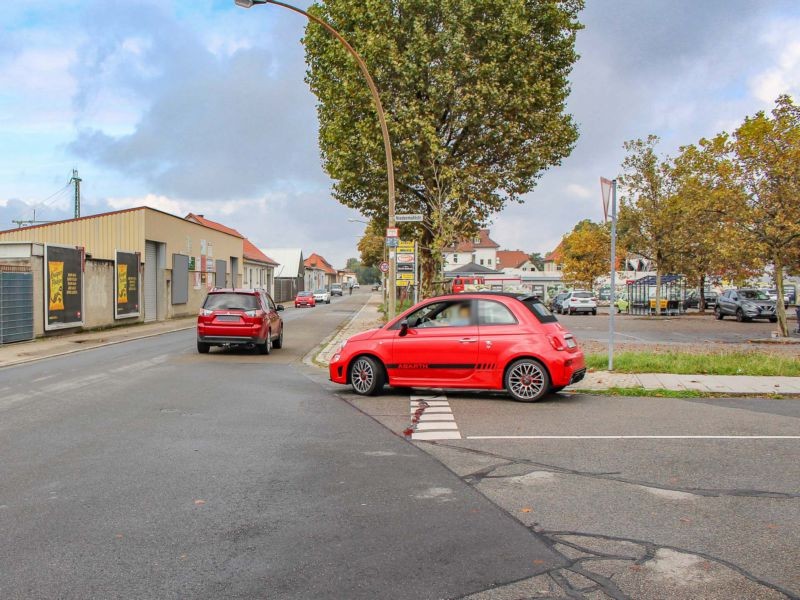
537 259
765 152
475 94
586 254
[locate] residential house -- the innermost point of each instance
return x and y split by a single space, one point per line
258 270
553 260
289 274
481 249
514 259
319 274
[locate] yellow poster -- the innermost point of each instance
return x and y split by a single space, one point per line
122 284
56 269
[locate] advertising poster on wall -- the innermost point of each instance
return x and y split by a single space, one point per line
63 289
127 285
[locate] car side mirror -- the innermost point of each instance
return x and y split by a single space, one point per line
280 307
403 328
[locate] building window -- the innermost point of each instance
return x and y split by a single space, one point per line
481 261
455 258
490 262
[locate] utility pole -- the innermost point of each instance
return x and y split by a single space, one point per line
77 182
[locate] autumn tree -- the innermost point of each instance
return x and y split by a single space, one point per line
371 245
475 94
586 254
537 259
705 185
651 214
765 151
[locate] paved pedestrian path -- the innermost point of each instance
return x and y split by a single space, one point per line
737 384
22 352
368 317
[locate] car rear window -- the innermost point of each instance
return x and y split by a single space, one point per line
304 294
231 301
581 295
539 310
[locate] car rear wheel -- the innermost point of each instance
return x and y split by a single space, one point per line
266 347
367 376
278 344
203 348
718 314
594 311
527 380
773 319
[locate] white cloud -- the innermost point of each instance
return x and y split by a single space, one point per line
578 190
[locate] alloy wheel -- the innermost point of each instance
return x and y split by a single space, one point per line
526 380
362 375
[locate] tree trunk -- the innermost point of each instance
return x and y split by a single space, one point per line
658 292
702 304
429 265
780 308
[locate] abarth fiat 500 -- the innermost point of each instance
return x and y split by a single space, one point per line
492 341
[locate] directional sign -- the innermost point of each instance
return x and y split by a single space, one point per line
405 276
405 268
384 267
392 232
406 247
412 218
392 242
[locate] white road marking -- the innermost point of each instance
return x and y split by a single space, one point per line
436 426
435 421
633 437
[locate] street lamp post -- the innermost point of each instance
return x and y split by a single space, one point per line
381 117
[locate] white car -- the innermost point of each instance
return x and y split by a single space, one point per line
579 301
322 296
356 285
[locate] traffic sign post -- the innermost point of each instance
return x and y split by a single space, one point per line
384 267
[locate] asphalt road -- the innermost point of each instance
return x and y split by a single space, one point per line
145 470
702 502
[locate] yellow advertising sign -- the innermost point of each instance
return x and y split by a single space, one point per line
56 269
405 277
122 283
405 247
404 283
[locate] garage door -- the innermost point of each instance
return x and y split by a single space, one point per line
150 281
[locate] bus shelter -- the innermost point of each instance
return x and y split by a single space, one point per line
641 295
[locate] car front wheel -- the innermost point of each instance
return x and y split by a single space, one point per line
367 376
527 380
740 315
718 314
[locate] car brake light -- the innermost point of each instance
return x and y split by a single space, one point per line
556 342
593 299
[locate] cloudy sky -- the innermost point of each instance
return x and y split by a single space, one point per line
194 105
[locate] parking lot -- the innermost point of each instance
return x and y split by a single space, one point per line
690 329
644 497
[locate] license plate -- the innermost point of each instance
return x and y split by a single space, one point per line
228 318
571 343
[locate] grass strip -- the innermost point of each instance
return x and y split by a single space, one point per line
662 393
686 363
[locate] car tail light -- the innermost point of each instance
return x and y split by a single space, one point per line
556 342
251 313
593 299
204 312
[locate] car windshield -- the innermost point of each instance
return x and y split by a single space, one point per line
336 286
231 301
319 292
753 295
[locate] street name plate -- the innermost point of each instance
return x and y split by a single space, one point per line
411 218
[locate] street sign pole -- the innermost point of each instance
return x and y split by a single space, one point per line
612 308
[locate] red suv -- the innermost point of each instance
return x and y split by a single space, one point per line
239 317
478 341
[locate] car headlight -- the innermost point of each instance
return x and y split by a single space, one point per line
749 306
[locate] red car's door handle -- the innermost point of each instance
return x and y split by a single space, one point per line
467 340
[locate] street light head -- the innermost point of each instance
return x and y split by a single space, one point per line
245 3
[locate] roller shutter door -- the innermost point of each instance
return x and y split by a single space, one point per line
150 281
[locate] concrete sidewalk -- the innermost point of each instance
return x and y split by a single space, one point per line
735 384
22 352
369 317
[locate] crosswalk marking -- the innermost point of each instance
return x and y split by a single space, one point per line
432 419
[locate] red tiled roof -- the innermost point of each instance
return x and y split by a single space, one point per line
511 259
249 249
468 245
556 255
315 261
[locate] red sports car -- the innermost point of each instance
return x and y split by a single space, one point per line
239 317
304 299
482 340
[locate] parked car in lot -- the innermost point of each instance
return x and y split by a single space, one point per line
555 302
336 289
322 296
579 301
489 340
304 299
376 287
692 299
773 295
239 317
745 305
